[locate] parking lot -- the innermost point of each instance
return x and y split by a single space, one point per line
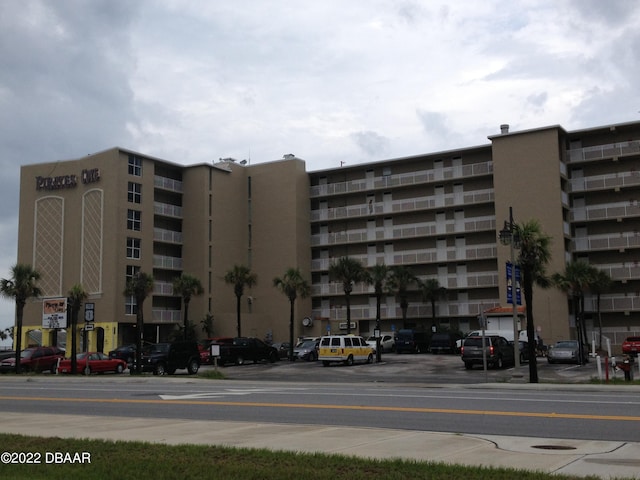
409 368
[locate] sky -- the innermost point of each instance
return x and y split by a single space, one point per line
333 82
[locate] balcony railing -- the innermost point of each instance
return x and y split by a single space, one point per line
416 311
166 316
605 212
167 210
607 242
167 236
613 303
169 263
403 206
599 152
162 288
621 272
605 182
403 179
167 184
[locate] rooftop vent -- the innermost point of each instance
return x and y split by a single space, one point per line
504 128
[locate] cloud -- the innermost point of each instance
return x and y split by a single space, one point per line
371 143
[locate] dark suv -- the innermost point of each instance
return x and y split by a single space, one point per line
34 359
498 351
161 358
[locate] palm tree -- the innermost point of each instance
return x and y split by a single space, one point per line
20 287
377 276
240 276
398 283
139 287
207 324
187 286
574 281
600 283
292 284
432 291
76 296
348 271
534 256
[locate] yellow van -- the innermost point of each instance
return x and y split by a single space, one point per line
346 349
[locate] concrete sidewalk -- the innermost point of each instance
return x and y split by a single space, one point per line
603 459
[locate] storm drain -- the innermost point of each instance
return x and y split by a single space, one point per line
553 447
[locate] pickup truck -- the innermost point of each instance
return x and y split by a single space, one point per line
244 349
631 346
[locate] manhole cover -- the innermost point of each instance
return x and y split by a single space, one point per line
554 447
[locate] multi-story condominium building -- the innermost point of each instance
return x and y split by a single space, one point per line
100 219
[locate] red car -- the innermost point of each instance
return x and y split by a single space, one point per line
631 346
93 362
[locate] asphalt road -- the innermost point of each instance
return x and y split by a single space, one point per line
405 392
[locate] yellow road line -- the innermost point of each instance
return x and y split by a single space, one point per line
334 407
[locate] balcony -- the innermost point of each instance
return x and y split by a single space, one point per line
621 272
166 316
606 242
168 184
605 182
163 288
599 152
168 263
167 210
613 303
401 180
605 212
167 236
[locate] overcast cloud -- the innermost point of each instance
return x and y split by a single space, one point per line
332 81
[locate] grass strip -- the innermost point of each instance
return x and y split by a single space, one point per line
141 461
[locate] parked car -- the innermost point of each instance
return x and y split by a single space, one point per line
7 354
498 351
306 350
34 359
93 362
204 347
387 342
444 343
244 349
282 348
161 358
411 341
126 352
567 351
631 346
346 349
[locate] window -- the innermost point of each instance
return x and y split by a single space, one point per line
130 306
133 247
134 220
134 192
135 166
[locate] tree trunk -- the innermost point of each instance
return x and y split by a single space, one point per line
531 331
239 329
291 329
19 316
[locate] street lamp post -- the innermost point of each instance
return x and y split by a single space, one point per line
509 236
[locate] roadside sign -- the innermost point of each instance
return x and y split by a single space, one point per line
88 327
89 312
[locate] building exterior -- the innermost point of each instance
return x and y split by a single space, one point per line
102 218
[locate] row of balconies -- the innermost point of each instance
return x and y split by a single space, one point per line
417 257
605 182
615 241
166 316
612 211
453 281
425 229
403 206
402 179
416 311
599 152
